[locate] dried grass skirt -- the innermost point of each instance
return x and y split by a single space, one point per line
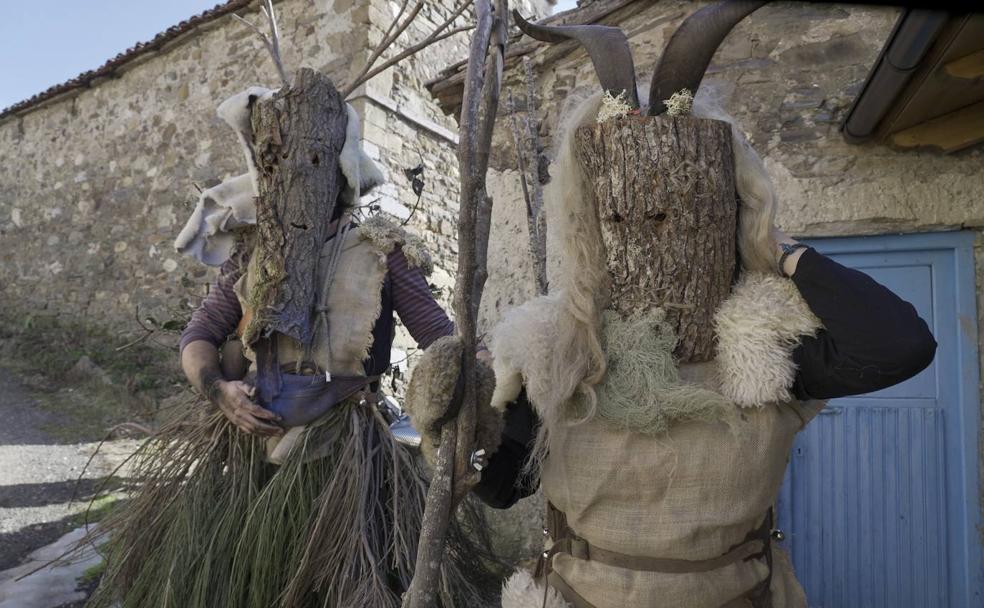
213 525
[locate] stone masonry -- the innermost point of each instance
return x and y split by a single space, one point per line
95 184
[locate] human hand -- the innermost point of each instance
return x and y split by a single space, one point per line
235 400
484 356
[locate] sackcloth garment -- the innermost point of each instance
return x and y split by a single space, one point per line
691 487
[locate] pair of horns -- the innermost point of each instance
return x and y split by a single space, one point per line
681 66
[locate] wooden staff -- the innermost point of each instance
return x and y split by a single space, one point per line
454 475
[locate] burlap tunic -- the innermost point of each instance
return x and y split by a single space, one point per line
691 490
690 494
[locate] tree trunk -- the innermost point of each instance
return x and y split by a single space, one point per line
665 190
298 136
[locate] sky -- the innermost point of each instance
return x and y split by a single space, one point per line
46 42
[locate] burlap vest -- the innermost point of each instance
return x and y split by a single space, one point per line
694 490
353 299
690 494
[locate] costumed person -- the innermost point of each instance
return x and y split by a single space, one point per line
300 497
661 467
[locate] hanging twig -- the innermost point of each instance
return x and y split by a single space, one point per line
271 42
539 262
393 32
453 476
539 214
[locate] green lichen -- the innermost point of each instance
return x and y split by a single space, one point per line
642 390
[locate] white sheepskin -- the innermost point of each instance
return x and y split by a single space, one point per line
521 591
361 173
757 328
522 343
385 235
236 111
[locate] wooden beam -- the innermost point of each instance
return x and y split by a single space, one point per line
969 67
948 133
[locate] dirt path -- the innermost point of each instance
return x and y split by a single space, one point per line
40 497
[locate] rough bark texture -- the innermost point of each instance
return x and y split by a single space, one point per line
453 475
297 137
665 190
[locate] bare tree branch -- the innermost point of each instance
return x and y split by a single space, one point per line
533 129
271 41
393 32
453 477
533 234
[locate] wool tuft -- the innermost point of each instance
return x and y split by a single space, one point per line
521 591
757 329
642 391
613 107
680 103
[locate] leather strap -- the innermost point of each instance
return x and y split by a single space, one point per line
582 549
570 596
757 544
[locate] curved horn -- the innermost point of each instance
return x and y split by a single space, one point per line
607 47
691 48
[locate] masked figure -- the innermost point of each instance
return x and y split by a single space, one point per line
660 477
296 494
660 470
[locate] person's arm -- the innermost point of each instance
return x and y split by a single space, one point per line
413 302
210 325
504 481
871 338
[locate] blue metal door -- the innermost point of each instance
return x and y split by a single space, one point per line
881 502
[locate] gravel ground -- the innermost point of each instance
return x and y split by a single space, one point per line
40 499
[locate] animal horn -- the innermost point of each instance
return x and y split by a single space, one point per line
691 48
607 47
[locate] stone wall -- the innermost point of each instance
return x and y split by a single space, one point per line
95 185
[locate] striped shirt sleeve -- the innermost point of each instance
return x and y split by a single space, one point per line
413 302
219 313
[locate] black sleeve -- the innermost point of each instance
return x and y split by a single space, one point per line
503 481
871 338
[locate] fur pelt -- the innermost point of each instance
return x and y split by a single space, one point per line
521 591
432 388
757 328
385 235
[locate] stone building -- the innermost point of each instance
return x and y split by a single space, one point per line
98 174
870 121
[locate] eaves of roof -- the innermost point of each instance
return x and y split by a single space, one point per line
112 68
448 86
926 90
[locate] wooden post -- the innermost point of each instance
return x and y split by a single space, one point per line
297 137
665 190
